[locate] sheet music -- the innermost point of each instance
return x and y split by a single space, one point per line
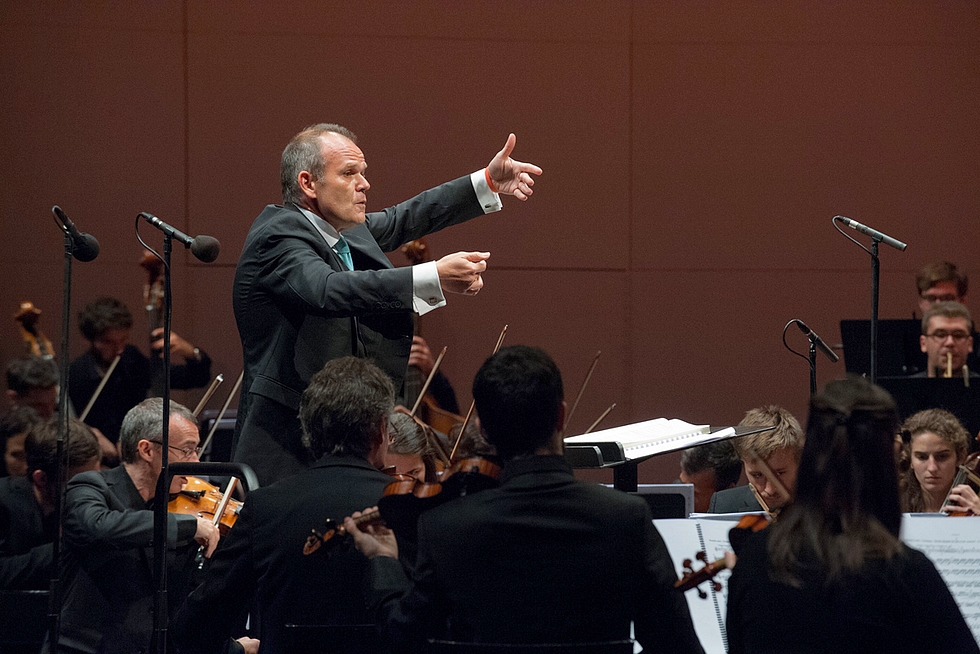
655 436
685 538
952 545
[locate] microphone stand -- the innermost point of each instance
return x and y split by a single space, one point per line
54 588
875 275
158 643
813 366
876 238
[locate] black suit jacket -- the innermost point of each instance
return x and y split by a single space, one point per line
107 564
734 500
25 537
262 559
542 558
297 307
129 384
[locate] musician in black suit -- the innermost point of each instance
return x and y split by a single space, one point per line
28 523
542 558
260 564
298 302
108 537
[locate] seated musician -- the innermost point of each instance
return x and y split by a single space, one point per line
711 468
935 444
108 537
28 524
32 381
776 450
14 428
260 564
946 340
542 558
940 281
410 451
106 323
831 575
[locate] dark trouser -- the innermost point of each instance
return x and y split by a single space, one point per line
270 441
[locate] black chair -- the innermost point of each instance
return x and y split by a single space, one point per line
604 647
23 621
331 639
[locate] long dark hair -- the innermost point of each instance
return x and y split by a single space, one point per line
847 505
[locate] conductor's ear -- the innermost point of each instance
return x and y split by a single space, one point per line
305 180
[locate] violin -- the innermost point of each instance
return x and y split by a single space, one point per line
968 472
201 499
694 578
405 498
747 525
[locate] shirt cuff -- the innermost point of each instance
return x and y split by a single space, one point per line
489 200
426 289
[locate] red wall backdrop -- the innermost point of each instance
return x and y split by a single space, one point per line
694 154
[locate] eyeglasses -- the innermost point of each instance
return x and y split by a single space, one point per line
185 452
941 335
932 298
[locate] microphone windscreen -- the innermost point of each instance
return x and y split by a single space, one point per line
87 249
205 248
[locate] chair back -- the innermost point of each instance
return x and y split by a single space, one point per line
604 647
23 620
331 639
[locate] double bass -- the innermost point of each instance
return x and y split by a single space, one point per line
37 343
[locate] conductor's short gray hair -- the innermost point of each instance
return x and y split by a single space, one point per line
303 152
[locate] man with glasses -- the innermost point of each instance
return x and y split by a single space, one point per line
108 534
940 281
947 340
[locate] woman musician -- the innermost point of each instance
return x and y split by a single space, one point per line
831 575
935 445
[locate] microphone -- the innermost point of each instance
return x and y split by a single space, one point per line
84 246
203 247
816 340
873 233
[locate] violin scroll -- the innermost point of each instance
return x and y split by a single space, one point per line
694 578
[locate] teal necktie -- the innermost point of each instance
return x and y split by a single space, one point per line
343 251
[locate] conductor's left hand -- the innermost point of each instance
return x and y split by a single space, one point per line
510 176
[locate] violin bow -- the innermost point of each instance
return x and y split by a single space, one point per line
219 512
98 389
207 395
585 383
217 421
428 380
771 476
466 420
600 419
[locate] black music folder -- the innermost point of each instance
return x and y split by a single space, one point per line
913 394
899 353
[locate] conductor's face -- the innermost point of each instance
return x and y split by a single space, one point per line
339 194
